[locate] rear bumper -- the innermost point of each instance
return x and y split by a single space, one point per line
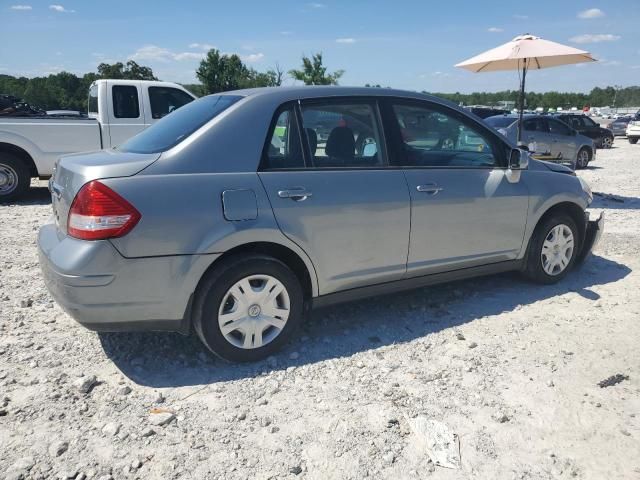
104 291
592 236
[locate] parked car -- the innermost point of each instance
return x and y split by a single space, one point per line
619 126
547 139
226 216
633 129
602 137
31 140
485 112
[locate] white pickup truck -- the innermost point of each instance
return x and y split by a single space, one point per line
117 110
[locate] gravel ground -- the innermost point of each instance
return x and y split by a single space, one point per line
510 367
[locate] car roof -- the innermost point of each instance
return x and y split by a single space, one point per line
284 94
516 116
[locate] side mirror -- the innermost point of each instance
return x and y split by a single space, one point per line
518 159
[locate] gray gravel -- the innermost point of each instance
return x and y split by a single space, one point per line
509 367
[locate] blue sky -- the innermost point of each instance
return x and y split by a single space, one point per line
403 44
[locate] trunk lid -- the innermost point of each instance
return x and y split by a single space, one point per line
73 171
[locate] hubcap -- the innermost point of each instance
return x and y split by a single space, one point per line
8 179
557 250
254 311
606 142
584 158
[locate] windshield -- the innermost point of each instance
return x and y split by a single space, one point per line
500 122
179 125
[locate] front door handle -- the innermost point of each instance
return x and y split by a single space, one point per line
297 194
430 188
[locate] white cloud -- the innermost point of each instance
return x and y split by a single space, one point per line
21 7
635 67
189 56
202 46
316 5
594 38
60 9
253 57
153 53
345 40
521 17
495 29
611 63
591 13
285 32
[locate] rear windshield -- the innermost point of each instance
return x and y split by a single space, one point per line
177 126
499 122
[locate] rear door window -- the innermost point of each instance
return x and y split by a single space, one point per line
342 133
125 101
165 100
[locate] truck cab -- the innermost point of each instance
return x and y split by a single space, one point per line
124 108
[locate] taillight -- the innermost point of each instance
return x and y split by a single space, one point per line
98 213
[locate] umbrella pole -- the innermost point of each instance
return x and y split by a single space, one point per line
524 74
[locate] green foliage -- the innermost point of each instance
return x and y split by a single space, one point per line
130 71
222 73
67 91
598 97
314 73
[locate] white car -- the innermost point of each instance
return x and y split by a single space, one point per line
633 129
117 110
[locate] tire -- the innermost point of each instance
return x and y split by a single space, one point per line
607 142
633 141
217 292
583 158
14 177
534 268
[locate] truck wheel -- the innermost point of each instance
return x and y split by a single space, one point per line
14 177
553 249
633 141
248 307
584 157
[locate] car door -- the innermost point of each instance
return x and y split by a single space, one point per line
126 118
467 209
563 140
536 136
333 194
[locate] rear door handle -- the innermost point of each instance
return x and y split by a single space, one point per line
297 194
430 188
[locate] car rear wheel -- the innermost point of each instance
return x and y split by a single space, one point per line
248 307
633 141
14 177
584 157
553 249
607 142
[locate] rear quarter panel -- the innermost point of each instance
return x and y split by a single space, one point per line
183 215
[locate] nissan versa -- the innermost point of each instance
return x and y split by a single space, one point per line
239 211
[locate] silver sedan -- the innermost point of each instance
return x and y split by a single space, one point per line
234 215
548 139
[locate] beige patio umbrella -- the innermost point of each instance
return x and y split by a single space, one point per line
523 53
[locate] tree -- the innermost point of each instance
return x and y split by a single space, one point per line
132 71
221 73
314 73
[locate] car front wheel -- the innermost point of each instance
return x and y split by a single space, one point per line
248 307
607 142
553 249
